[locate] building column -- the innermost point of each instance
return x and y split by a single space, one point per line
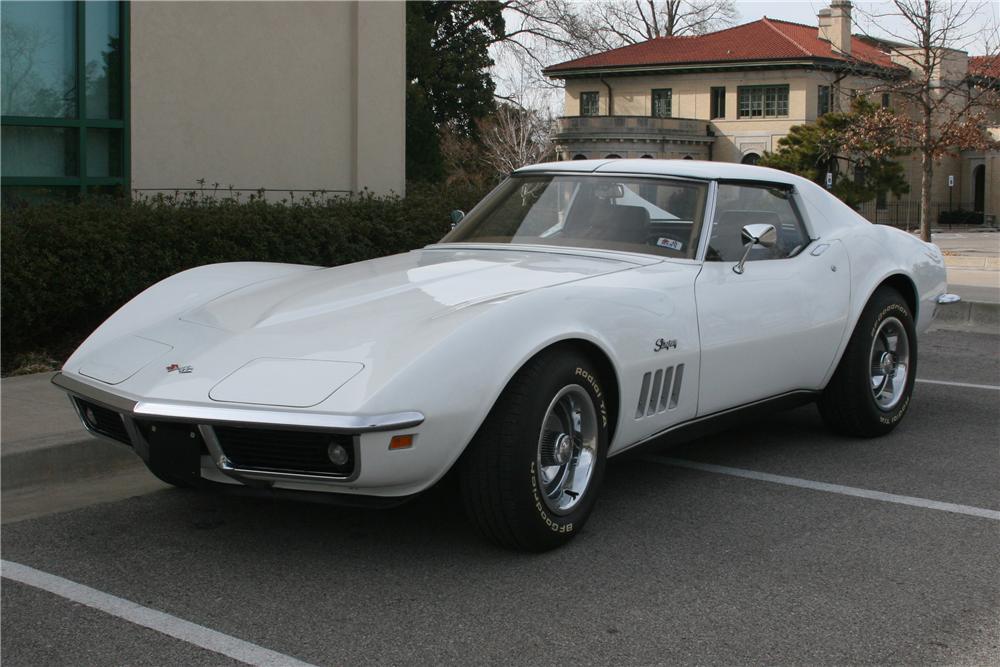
380 98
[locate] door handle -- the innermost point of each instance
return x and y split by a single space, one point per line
820 249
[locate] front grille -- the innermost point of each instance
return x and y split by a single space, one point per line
102 420
304 452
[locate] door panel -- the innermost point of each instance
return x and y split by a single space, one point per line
658 383
773 329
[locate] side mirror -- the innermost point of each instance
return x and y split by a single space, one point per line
456 217
753 236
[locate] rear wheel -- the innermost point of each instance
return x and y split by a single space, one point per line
531 475
870 391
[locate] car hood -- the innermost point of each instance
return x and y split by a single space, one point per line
415 286
292 339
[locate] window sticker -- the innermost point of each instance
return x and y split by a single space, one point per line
664 242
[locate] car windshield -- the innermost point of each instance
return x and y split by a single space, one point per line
648 215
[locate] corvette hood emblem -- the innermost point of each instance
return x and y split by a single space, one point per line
180 369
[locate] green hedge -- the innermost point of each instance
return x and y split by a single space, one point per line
960 216
66 267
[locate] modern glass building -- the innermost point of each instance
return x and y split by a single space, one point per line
146 97
65 102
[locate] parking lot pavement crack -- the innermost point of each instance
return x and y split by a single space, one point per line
868 494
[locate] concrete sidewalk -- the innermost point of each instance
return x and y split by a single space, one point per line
973 261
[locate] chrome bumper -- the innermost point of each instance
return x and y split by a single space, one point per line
205 417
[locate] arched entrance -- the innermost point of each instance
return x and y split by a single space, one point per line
750 158
579 156
979 188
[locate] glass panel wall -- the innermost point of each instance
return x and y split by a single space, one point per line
39 151
103 61
38 49
64 98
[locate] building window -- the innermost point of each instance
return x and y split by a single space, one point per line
823 101
590 103
750 158
763 101
64 98
579 156
886 100
662 102
718 102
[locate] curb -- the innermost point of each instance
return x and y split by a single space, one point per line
55 460
966 314
973 262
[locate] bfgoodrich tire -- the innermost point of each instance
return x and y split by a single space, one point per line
870 391
531 475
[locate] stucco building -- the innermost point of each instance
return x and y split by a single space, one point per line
153 96
731 95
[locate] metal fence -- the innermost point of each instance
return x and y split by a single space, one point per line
905 214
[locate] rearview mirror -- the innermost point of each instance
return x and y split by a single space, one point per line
609 191
456 217
760 235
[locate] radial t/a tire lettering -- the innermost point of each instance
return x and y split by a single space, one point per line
531 475
870 391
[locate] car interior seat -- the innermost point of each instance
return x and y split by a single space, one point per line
605 221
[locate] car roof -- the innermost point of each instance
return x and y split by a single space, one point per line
683 168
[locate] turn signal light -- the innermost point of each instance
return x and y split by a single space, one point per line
401 442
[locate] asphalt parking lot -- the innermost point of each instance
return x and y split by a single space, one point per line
677 565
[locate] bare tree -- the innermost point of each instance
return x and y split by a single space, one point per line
615 23
542 32
941 110
515 136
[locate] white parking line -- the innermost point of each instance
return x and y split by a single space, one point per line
830 488
967 385
178 628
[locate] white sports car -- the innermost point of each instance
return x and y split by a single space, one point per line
580 310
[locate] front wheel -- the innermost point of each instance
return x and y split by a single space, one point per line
531 474
871 388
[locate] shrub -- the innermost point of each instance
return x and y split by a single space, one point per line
960 217
64 268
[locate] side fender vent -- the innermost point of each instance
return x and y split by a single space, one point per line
660 391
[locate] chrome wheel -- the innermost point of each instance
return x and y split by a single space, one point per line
567 449
889 363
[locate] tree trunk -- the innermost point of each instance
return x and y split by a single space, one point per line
927 165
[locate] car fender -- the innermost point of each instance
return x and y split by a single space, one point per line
877 255
473 365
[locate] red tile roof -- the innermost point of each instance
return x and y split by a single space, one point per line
985 66
763 40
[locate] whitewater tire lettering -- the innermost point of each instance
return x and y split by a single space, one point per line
601 406
540 506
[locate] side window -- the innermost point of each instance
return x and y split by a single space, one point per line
738 205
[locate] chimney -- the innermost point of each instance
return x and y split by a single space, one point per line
824 24
840 26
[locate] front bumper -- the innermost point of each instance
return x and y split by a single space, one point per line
284 448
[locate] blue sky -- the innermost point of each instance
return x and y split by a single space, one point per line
805 12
